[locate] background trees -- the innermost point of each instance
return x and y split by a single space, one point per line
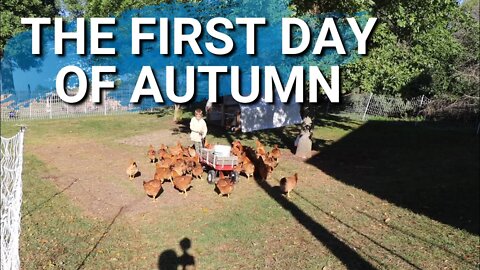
418 47
11 11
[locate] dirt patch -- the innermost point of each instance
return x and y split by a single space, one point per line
93 176
164 136
89 173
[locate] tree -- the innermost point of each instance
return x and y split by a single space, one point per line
413 50
72 9
13 10
467 66
102 8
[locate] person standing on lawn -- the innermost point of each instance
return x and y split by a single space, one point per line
198 128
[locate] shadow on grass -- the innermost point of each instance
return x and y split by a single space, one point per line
169 260
159 112
334 121
339 249
427 169
283 137
42 204
409 234
107 230
360 233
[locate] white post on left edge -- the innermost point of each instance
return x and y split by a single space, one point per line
366 109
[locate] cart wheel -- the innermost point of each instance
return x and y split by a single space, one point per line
211 177
234 177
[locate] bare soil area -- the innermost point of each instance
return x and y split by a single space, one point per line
93 176
167 136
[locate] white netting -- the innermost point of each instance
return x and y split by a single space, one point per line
379 105
11 200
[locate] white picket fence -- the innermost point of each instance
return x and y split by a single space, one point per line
52 107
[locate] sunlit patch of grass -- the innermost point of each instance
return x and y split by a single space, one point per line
54 233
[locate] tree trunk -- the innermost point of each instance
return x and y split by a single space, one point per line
177 114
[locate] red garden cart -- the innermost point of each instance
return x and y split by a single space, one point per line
216 163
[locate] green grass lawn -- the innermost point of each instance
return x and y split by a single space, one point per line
354 206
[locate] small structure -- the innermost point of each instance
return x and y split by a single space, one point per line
259 115
222 113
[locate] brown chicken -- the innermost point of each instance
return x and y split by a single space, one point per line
162 154
185 152
132 169
239 168
180 166
270 161
287 184
182 183
237 148
225 186
177 149
248 169
176 173
265 171
152 154
191 162
163 147
197 171
163 164
191 151
244 159
275 153
260 149
152 188
196 159
207 145
168 161
162 173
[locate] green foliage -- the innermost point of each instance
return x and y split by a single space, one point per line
412 51
318 6
415 48
12 11
468 63
102 8
73 8
472 6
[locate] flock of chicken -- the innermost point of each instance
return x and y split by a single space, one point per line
261 162
180 165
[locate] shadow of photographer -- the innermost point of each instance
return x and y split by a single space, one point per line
169 260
